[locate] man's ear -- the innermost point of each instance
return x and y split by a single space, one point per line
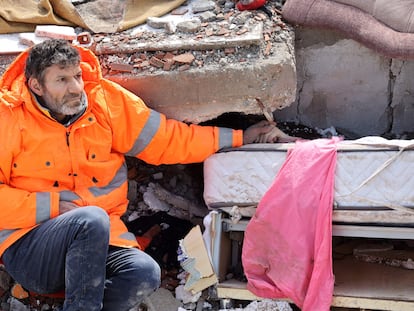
35 86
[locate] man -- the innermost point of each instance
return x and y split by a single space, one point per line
64 132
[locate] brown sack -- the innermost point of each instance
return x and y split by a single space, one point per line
397 14
106 16
351 22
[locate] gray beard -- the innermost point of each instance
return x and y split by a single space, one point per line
69 111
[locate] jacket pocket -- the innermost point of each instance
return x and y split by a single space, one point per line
99 153
34 162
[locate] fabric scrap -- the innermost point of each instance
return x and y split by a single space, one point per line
99 16
353 23
287 248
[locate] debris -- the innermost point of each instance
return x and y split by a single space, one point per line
155 61
250 4
195 261
190 26
185 296
56 32
384 253
268 305
161 23
202 6
121 67
186 58
84 38
178 206
30 39
17 291
180 11
162 300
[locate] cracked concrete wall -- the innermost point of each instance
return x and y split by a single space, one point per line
343 84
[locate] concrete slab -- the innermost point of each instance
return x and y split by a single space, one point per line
202 94
252 36
10 44
238 56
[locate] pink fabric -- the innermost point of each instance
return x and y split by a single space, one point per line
287 249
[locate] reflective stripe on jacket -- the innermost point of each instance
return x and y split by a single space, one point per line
42 161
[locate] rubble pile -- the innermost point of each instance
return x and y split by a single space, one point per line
214 33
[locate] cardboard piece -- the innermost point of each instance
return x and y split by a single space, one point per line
195 260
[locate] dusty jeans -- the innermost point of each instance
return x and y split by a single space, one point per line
71 252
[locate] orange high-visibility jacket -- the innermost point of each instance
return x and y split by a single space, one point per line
42 161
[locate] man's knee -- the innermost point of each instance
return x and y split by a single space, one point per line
153 274
147 274
93 215
93 219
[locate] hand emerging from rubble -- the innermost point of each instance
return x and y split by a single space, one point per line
266 132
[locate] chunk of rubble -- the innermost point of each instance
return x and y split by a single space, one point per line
185 58
202 6
56 32
161 23
190 26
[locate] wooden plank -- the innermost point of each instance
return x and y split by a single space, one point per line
372 304
352 217
356 278
364 216
373 232
357 285
373 216
344 230
239 291
235 289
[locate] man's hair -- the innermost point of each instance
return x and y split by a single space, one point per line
50 52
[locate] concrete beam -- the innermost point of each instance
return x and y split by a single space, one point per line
201 94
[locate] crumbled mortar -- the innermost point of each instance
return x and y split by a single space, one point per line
136 47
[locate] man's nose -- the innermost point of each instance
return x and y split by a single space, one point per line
76 86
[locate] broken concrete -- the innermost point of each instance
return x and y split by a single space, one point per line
198 95
253 36
239 56
162 300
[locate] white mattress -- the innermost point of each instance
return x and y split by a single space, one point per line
370 173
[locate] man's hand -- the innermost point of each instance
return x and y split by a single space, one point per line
255 131
266 132
66 206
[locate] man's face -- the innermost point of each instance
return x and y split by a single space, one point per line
61 90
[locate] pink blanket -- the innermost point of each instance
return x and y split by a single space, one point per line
287 249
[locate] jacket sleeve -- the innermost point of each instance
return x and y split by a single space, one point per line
144 133
19 208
